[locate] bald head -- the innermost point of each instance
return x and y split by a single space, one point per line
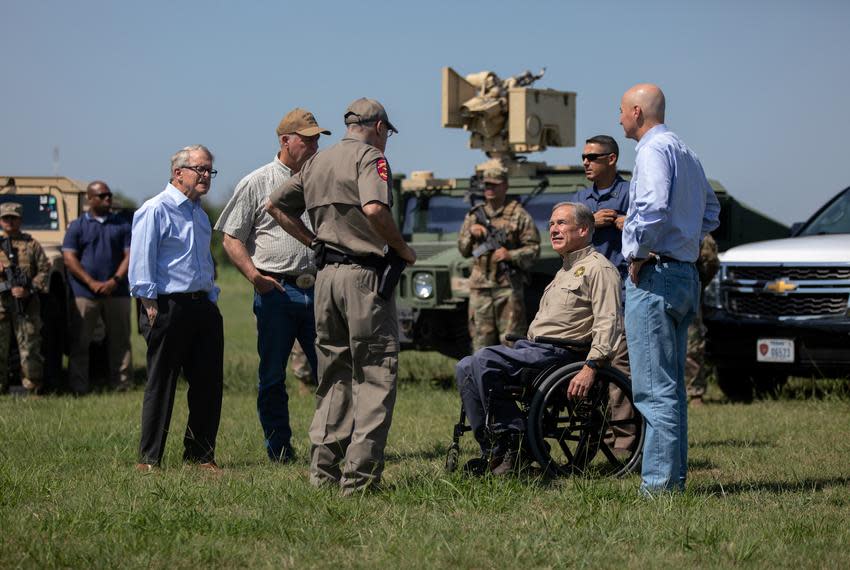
641 108
99 198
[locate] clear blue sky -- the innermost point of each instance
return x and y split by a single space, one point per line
759 89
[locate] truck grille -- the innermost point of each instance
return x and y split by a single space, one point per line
769 305
737 272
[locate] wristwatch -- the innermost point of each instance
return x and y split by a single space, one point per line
592 364
116 278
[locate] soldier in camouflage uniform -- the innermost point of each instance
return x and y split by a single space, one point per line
496 304
707 266
34 267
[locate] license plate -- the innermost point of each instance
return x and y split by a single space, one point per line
775 350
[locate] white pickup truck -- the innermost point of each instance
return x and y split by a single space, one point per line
780 307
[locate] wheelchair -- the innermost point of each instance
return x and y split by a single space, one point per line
571 437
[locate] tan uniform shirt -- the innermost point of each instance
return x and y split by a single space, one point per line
333 186
582 304
31 260
523 241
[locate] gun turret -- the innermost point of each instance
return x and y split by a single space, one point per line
508 117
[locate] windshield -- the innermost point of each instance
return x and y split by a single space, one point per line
39 210
444 214
833 219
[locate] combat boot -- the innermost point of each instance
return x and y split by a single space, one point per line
506 458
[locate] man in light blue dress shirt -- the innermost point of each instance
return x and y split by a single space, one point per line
171 273
671 208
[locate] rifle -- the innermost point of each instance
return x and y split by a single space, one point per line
495 239
14 275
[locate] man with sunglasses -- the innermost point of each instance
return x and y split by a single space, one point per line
499 270
282 271
20 309
346 190
608 198
96 251
172 274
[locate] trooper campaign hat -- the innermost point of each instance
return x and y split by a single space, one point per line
11 209
365 110
302 122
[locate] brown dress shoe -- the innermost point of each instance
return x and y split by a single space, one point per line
146 467
210 467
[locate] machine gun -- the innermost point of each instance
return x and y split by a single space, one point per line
14 276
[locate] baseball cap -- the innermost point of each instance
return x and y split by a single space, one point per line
302 122
365 110
11 209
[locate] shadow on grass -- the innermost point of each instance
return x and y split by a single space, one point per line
436 451
742 443
776 487
700 465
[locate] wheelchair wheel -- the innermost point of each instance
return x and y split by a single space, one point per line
599 435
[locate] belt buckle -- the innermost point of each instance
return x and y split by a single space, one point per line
305 280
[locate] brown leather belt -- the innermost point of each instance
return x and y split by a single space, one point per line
302 281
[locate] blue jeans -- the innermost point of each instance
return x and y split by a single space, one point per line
281 318
658 311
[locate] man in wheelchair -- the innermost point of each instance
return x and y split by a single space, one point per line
580 316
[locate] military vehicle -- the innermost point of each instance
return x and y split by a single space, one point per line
50 204
507 119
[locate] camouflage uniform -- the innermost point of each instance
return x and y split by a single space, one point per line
27 329
707 266
496 304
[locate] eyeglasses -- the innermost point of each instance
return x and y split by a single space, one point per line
593 156
104 195
201 171
390 131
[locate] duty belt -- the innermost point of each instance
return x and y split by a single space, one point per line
302 281
371 261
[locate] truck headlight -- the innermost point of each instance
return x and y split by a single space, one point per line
423 285
711 295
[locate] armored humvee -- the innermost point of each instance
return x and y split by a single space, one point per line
50 204
506 118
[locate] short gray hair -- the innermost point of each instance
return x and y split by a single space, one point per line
181 157
582 216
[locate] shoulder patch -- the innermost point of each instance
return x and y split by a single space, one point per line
579 271
383 169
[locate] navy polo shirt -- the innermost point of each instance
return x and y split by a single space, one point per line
608 240
100 247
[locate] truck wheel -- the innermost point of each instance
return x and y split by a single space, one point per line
769 385
736 383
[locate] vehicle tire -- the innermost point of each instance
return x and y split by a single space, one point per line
768 386
735 383
53 338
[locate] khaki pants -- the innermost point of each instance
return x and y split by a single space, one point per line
357 348
27 331
115 314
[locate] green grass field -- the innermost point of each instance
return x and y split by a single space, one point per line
769 487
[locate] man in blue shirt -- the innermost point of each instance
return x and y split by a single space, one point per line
171 272
96 251
608 198
672 207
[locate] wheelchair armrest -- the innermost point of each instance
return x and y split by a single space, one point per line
562 343
511 337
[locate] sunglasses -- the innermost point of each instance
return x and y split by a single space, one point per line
593 156
104 195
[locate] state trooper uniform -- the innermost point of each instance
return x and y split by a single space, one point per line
35 267
496 289
356 329
582 304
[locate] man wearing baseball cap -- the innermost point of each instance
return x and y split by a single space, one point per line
282 272
347 192
20 311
